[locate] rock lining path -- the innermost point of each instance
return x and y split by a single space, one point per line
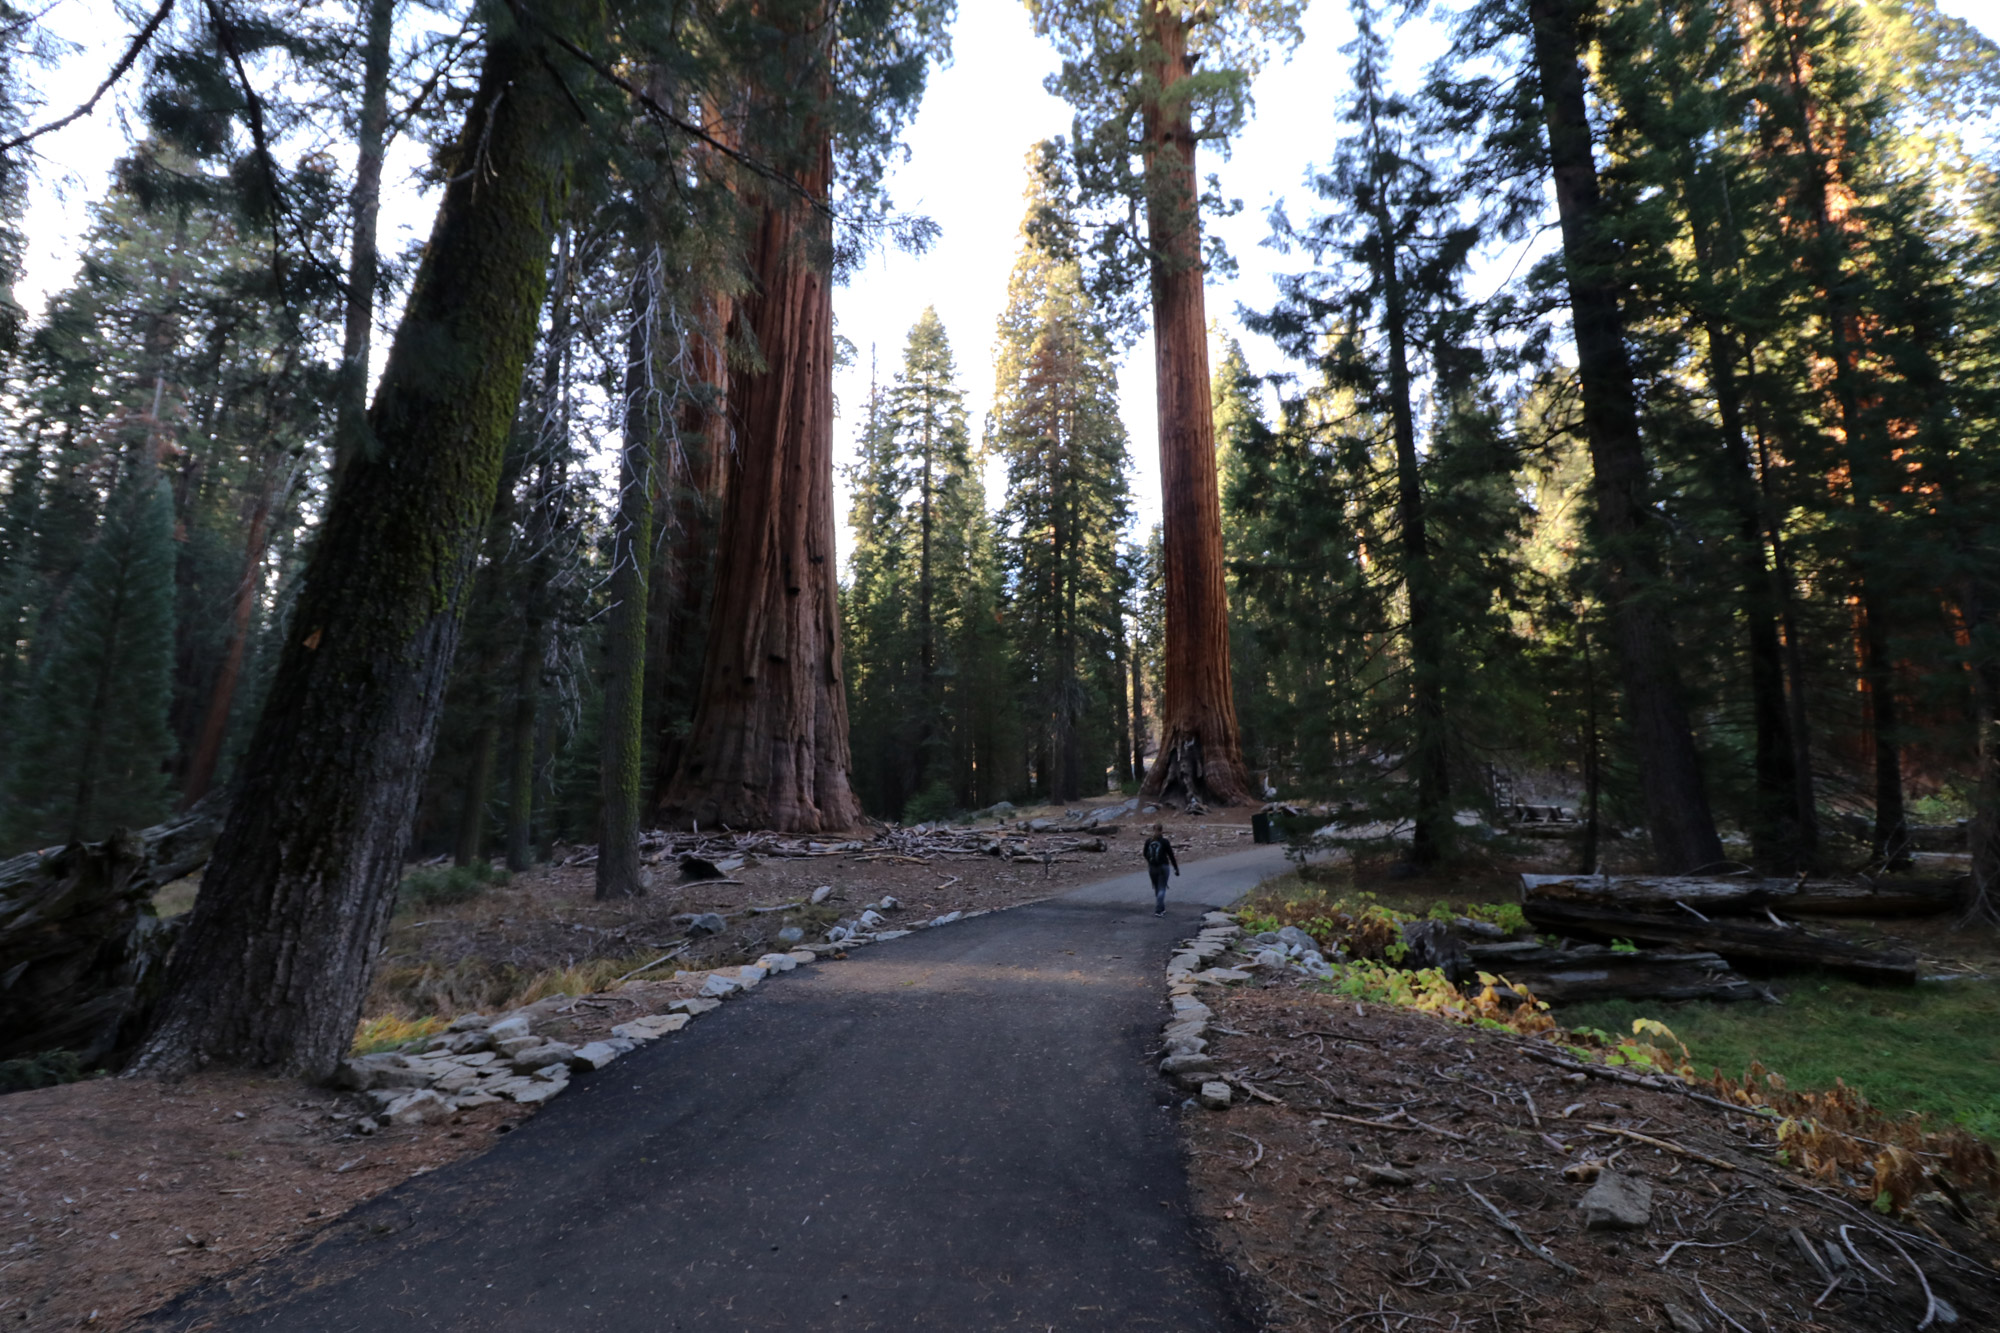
959 1130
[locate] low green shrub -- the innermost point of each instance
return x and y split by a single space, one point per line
440 886
44 1070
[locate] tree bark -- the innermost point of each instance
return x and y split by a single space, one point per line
623 736
471 837
1677 811
1138 712
548 515
1200 750
1777 841
1429 754
694 486
279 947
769 748
215 719
350 433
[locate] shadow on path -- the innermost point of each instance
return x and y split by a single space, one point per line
958 1130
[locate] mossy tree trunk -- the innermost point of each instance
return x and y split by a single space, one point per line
623 736
282 939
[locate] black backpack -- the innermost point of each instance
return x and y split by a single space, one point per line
1156 851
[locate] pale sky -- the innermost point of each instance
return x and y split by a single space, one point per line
966 150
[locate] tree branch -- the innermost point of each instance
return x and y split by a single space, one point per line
125 62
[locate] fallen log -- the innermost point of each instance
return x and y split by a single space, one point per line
80 945
1652 893
1725 895
1885 896
1597 972
1738 941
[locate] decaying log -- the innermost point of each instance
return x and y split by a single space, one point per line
80 945
1739 941
1652 893
1725 895
1885 896
1597 972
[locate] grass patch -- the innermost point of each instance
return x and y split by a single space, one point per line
441 886
391 1031
1927 1049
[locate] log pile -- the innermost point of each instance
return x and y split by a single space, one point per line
1599 972
1705 914
81 950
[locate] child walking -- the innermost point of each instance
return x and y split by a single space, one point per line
1160 855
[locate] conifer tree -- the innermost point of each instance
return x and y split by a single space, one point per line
1149 80
96 746
1055 423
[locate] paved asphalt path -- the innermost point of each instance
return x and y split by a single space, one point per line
958 1130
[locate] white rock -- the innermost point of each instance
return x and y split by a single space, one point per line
1215 1095
417 1107
821 894
533 1094
748 975
593 1055
457 1081
803 956
717 986
514 1025
890 902
477 1059
1221 976
1186 1006
469 1023
476 1097
947 918
552 1074
649 1028
541 1056
694 1006
777 962
881 935
871 919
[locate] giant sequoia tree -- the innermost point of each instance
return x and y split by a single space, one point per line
281 942
768 747
825 92
1150 80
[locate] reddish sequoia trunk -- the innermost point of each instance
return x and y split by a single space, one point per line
1200 751
215 722
768 748
694 483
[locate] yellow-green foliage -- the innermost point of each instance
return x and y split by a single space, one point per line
390 1031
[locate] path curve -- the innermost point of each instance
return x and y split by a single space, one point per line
958 1130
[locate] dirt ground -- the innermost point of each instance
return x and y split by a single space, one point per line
115 1195
1362 1192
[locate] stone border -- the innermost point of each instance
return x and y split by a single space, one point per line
481 1060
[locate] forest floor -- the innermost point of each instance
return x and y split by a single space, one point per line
1363 1193
1341 1223
117 1194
